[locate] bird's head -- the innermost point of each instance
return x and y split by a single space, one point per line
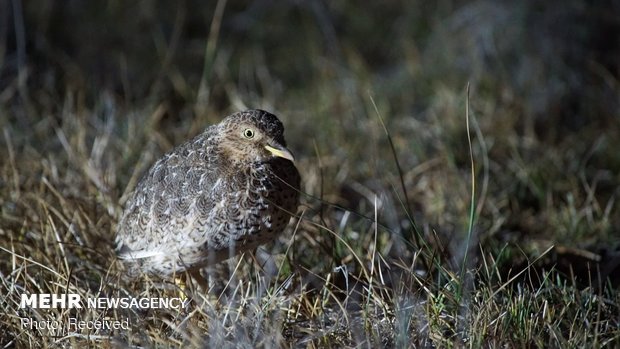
253 135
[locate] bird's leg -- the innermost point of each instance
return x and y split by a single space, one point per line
199 279
181 285
188 283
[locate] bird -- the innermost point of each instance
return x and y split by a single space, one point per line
228 190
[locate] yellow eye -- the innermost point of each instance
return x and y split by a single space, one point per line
248 133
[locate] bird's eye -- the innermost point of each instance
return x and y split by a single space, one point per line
248 133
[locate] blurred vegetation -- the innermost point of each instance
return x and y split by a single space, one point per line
92 92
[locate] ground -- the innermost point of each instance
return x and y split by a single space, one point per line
459 162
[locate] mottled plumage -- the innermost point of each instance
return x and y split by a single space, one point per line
226 191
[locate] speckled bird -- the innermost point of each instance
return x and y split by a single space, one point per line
228 190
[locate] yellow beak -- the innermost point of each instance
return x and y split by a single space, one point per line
281 152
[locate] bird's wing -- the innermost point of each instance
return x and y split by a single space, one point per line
162 210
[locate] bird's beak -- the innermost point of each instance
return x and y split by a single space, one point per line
280 151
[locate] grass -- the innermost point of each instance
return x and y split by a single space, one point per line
434 213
